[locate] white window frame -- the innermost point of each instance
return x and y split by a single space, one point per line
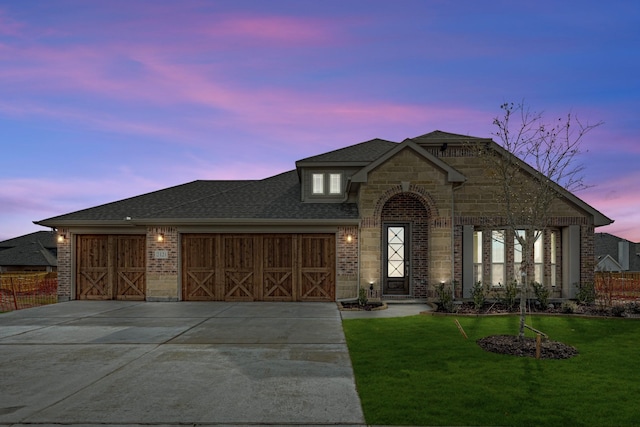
538 257
477 256
498 257
335 183
317 183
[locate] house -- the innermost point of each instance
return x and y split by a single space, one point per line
616 254
396 218
35 252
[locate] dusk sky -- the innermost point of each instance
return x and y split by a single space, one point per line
103 100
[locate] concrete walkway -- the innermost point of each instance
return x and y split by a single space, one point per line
187 363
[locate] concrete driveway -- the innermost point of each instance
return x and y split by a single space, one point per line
130 363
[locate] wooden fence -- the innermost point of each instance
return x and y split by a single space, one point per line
24 290
617 286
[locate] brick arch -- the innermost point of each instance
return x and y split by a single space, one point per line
418 192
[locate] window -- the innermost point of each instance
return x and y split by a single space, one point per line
553 259
538 258
334 183
497 257
477 256
318 183
517 256
323 184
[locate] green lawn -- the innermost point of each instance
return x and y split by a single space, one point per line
421 371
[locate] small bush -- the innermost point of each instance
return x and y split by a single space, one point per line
586 293
362 296
569 307
507 295
445 297
541 293
479 295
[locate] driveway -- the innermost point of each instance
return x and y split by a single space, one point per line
130 363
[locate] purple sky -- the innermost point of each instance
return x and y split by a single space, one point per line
101 101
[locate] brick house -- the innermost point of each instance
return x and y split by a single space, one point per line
397 218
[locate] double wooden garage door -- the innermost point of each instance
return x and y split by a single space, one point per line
111 267
215 267
258 267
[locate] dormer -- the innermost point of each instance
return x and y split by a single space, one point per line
326 178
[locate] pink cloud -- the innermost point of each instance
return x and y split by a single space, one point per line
273 29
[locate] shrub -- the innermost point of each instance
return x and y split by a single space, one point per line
569 307
362 296
586 293
445 297
542 294
479 295
507 295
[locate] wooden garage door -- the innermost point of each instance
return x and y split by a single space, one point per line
258 267
110 267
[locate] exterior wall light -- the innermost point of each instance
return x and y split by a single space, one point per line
349 238
61 238
160 238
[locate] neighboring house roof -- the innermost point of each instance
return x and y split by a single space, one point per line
609 245
607 263
46 238
35 249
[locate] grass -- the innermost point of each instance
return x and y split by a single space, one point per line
421 371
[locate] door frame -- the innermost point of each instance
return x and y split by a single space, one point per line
407 270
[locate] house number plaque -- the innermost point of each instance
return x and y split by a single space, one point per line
161 254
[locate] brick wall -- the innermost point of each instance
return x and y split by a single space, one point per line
162 273
64 266
347 239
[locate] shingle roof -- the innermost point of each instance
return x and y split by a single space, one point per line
146 204
28 254
46 238
364 152
277 197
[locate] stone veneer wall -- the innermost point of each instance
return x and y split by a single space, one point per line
162 274
410 175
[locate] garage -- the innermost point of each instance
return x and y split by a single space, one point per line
258 267
110 267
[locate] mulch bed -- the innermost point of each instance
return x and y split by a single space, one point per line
355 306
512 345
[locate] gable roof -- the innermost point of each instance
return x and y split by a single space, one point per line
452 174
442 138
278 199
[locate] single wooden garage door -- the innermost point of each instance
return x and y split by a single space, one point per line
258 267
110 267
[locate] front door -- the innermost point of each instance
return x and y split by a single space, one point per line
396 262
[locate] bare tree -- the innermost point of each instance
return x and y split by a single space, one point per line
534 162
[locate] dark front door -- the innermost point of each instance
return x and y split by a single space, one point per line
396 261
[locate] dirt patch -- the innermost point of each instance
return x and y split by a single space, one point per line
512 345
